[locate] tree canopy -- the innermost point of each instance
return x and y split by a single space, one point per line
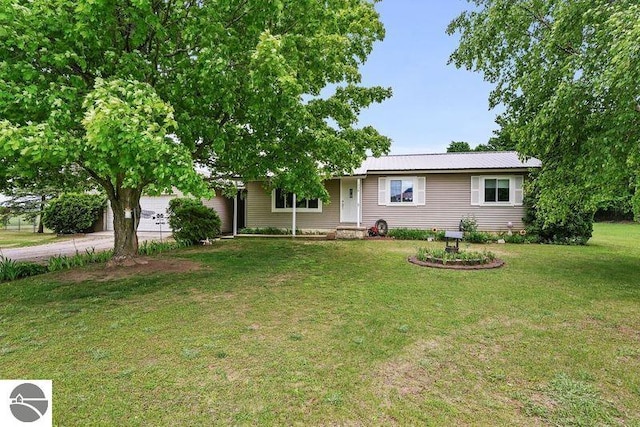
252 88
458 147
568 73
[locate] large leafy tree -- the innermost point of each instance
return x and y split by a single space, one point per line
458 147
568 73
240 84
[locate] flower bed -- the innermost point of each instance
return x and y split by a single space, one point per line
463 260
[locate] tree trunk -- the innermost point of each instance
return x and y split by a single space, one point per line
126 239
40 224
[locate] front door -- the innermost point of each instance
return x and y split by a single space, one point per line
348 200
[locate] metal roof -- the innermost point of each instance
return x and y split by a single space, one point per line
446 161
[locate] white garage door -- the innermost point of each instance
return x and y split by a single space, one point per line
154 214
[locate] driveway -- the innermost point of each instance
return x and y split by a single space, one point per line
100 241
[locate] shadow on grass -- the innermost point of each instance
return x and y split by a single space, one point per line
615 273
38 291
249 261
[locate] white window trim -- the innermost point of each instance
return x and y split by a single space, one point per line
419 194
513 189
301 210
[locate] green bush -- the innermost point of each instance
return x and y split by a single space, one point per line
410 234
469 224
575 229
192 221
443 257
519 238
477 237
73 213
274 231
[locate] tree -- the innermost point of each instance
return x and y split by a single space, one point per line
28 195
237 83
127 147
458 147
30 203
569 76
501 139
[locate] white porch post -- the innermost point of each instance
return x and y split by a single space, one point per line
358 202
235 215
293 227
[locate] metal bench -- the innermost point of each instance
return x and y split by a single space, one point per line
457 235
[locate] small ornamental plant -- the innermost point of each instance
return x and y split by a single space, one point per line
440 256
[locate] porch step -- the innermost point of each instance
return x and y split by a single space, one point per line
348 232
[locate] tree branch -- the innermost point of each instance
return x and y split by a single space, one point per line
236 15
569 50
105 183
87 77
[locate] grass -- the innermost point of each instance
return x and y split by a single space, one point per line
15 239
274 332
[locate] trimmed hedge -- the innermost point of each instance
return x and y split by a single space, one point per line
192 221
73 213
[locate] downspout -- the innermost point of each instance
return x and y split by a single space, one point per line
293 229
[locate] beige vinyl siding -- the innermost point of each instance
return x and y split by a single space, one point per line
448 199
259 213
224 207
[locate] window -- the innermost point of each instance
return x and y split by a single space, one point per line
282 201
399 191
496 190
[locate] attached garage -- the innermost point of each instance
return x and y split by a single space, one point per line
154 213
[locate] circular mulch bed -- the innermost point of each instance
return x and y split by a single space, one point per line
496 263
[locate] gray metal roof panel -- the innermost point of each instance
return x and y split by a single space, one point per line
446 161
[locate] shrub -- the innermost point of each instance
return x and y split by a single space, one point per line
477 237
465 257
192 221
73 213
469 224
575 229
518 238
410 234
275 231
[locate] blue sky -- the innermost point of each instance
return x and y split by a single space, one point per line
433 103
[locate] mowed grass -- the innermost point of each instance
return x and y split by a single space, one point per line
280 332
15 239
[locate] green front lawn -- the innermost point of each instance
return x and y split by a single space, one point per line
15 239
281 332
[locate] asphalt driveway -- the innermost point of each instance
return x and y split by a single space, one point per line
100 241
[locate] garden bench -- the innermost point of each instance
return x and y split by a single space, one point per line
457 235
